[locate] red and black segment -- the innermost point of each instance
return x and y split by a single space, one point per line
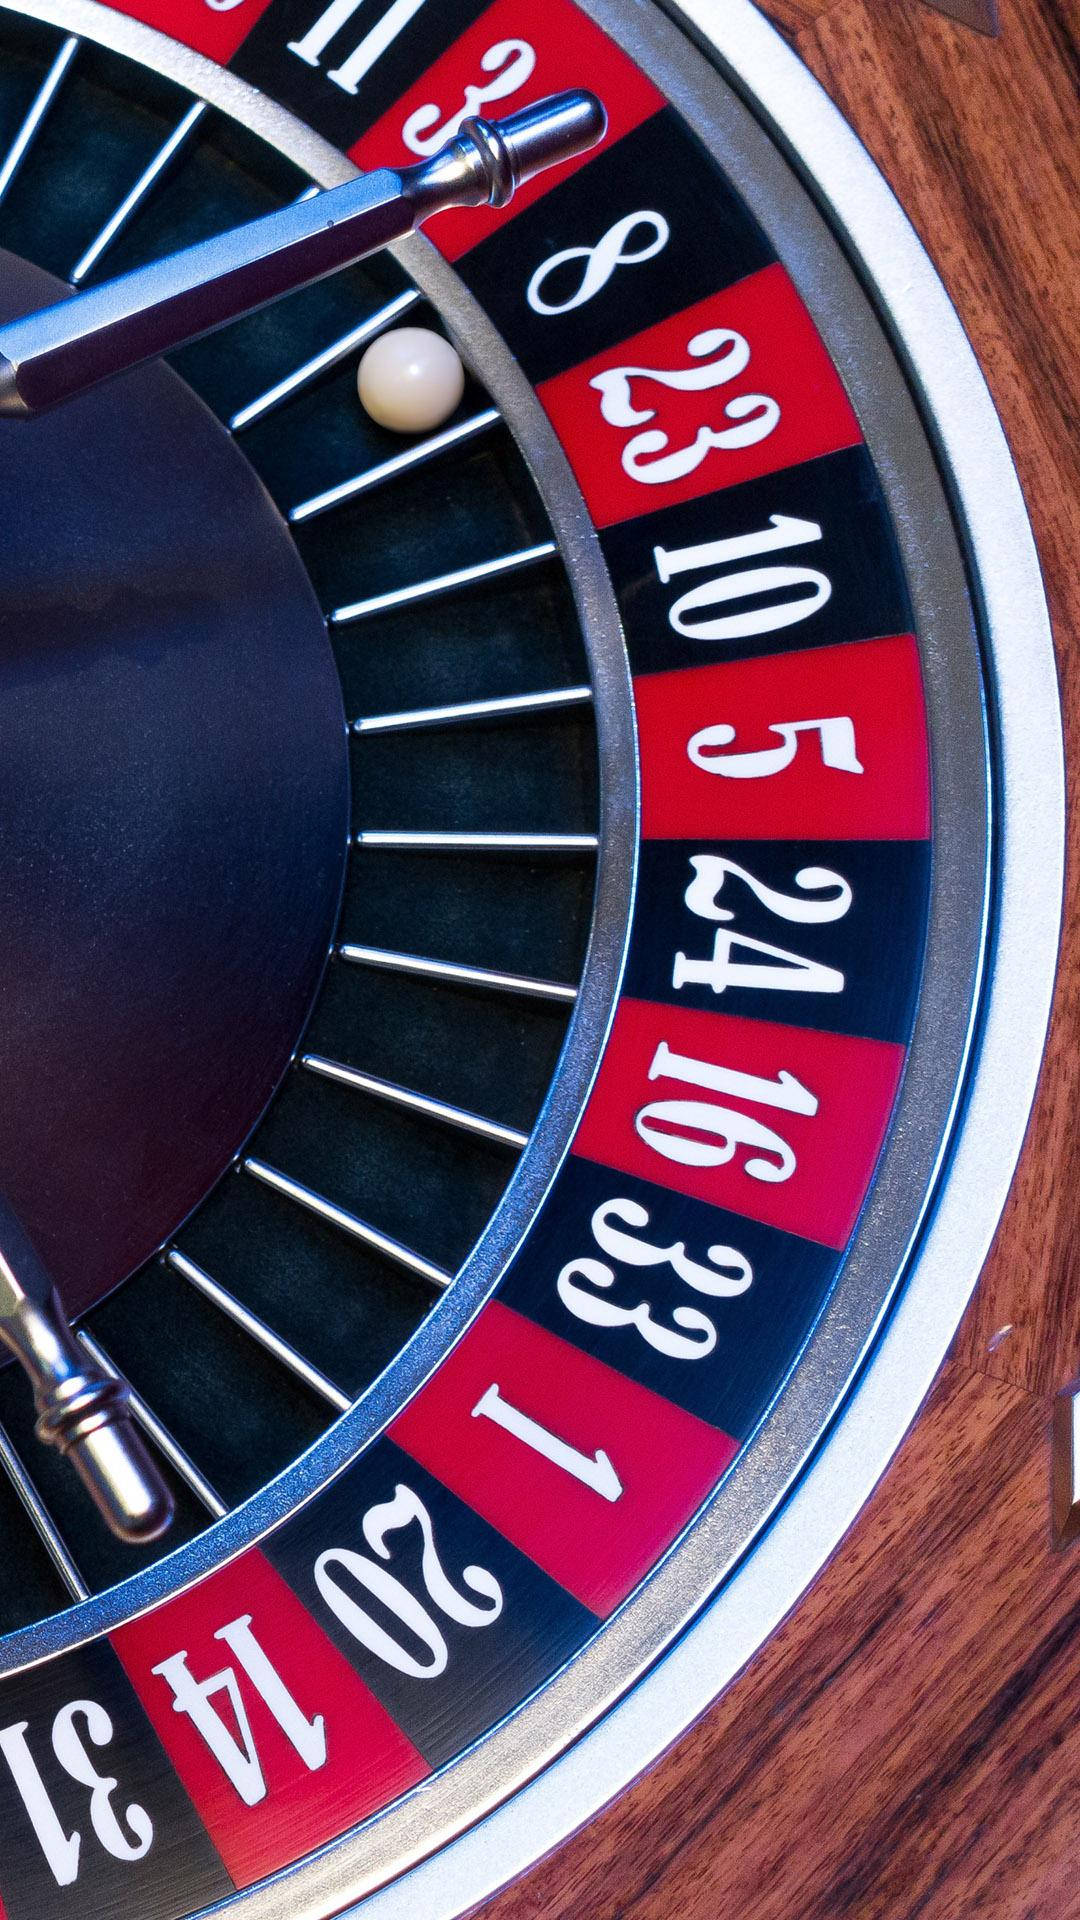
773 1121
500 64
737 386
389 80
824 745
588 1473
702 1307
447 1622
93 1816
803 558
276 1739
609 252
825 933
340 67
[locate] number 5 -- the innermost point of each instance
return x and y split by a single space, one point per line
837 749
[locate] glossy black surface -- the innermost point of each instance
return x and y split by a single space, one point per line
174 798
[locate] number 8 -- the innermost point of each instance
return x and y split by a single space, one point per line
609 253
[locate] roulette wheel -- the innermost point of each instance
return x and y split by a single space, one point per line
542 928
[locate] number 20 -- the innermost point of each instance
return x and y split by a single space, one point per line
405 1509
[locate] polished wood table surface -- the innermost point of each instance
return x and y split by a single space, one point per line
908 1742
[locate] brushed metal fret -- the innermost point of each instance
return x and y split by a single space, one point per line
347 1222
178 1458
442 583
319 363
41 1520
39 107
415 456
134 198
487 979
440 1110
479 842
259 1331
507 707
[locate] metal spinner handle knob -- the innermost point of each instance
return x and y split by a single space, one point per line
82 1410
522 144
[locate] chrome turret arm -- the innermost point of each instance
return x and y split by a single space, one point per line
53 355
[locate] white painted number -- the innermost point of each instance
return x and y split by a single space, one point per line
793 973
601 261
645 457
673 1127
837 740
510 63
62 1849
711 870
803 588
238 1757
383 1586
728 1274
374 44
594 1470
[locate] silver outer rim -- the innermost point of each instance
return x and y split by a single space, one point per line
990 513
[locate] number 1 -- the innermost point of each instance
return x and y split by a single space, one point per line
593 1470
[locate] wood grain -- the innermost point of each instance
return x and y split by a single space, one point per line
905 1745
794 16
906 1724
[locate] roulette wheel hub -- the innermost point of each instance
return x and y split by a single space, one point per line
157 824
